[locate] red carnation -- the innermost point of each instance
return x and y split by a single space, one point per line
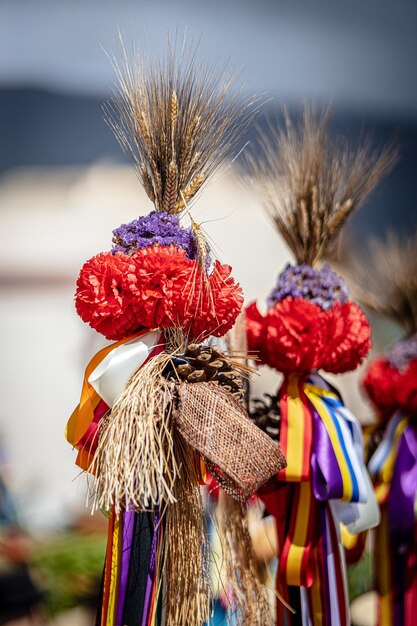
382 382
294 335
407 389
298 336
214 303
103 296
255 330
291 335
162 276
158 287
348 338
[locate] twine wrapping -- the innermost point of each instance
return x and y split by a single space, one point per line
240 456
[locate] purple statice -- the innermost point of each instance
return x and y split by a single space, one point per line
322 287
157 228
401 353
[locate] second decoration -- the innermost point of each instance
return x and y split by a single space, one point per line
311 183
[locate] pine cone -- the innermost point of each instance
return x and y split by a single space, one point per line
200 364
265 414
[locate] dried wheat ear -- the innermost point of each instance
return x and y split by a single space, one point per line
178 119
312 181
384 278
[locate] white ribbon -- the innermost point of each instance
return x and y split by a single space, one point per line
111 376
357 516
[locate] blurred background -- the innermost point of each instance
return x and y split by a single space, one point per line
64 185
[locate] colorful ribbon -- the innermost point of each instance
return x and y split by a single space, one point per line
296 430
329 484
394 470
121 581
81 429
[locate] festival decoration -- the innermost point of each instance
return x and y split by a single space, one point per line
163 403
311 185
386 280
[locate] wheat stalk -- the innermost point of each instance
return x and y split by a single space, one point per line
178 119
384 278
312 182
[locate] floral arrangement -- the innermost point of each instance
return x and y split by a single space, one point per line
311 185
156 282
309 325
163 404
390 380
386 280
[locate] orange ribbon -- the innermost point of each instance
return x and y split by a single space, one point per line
83 414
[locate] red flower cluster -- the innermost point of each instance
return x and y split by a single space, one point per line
390 389
103 297
298 336
157 287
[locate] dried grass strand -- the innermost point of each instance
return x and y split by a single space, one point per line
188 593
312 182
177 115
384 278
242 575
135 464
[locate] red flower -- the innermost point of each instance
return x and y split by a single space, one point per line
218 305
214 303
390 389
160 285
255 327
380 383
290 336
348 338
103 297
294 335
407 389
298 336
172 290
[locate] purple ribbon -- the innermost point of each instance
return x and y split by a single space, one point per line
127 536
151 571
403 488
326 551
327 479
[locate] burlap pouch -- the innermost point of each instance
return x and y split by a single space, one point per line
238 453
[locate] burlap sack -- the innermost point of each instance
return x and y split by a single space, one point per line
240 455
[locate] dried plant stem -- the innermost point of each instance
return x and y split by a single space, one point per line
312 182
135 464
384 278
187 551
178 121
242 576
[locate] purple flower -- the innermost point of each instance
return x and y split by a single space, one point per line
402 352
157 228
322 287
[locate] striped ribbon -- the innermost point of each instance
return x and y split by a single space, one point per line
119 568
381 465
393 468
296 563
296 430
323 446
